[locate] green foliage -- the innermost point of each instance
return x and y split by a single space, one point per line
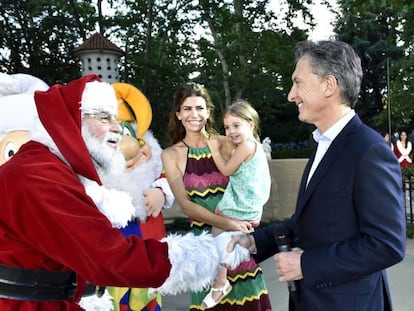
410 231
376 30
40 37
292 153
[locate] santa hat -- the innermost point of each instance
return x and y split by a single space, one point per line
99 97
59 110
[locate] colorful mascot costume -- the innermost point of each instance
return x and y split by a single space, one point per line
18 111
145 183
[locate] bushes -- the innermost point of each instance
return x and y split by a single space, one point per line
410 231
291 153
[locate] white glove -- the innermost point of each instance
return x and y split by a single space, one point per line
237 256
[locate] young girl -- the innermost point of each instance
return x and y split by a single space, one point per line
249 181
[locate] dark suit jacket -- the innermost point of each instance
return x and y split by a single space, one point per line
350 222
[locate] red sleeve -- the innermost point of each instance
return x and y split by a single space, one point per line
54 225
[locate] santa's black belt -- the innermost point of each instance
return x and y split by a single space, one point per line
40 285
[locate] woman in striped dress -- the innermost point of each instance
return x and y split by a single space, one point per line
198 186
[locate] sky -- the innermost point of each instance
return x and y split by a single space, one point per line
323 18
322 15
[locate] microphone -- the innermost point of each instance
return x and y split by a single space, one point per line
282 237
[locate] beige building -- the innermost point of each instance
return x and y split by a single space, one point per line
100 56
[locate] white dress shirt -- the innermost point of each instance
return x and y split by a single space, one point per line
324 140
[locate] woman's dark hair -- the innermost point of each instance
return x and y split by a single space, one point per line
176 129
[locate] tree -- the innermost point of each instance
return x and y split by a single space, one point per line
39 37
167 43
250 55
377 31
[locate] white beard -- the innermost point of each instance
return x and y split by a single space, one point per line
135 181
114 202
107 161
132 182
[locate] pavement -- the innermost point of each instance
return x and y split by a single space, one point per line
400 276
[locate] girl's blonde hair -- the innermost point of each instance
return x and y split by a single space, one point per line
242 109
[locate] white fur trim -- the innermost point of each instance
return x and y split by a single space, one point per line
95 303
194 261
115 205
99 97
169 196
133 182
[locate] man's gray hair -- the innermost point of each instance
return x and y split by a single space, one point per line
334 58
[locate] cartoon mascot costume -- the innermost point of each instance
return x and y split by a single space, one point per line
145 183
17 111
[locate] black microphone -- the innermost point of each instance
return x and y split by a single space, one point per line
282 237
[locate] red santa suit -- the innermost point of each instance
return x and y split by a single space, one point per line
49 224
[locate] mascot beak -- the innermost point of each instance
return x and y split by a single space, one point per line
135 151
129 147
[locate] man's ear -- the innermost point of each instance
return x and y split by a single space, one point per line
331 85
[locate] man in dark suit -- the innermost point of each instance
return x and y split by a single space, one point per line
349 223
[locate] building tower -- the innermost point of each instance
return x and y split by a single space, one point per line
99 56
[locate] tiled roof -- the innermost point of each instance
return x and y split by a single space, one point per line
97 42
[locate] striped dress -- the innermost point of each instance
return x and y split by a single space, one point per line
205 186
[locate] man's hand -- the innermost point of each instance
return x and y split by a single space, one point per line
244 240
234 257
288 265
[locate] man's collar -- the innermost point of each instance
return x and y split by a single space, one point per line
334 130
